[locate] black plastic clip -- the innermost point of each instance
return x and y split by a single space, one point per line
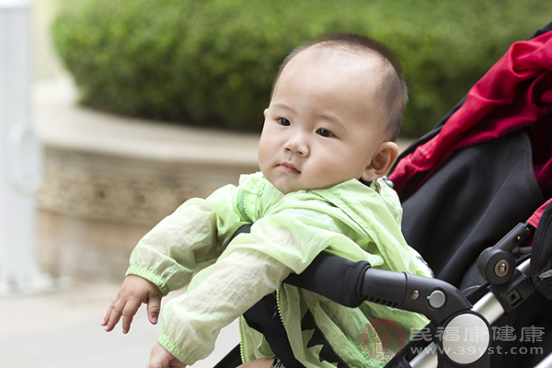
496 264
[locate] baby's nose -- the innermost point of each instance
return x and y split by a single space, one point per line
297 144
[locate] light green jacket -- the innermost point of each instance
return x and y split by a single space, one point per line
288 232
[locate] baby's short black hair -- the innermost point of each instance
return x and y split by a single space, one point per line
394 89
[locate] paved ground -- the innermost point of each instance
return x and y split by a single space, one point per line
62 329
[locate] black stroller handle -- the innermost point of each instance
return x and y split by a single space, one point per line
351 283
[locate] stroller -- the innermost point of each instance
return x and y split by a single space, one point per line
476 193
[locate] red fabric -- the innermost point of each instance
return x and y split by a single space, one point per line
535 218
514 93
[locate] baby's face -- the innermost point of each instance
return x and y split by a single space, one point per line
322 125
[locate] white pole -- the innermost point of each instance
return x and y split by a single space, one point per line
19 155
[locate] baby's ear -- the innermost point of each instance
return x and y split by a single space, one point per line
382 161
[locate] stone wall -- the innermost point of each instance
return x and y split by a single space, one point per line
94 207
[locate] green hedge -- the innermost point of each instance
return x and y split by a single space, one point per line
211 63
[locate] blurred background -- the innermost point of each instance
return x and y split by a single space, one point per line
112 113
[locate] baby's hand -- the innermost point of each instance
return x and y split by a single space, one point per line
161 358
134 291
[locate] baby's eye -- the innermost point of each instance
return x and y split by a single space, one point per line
283 121
325 132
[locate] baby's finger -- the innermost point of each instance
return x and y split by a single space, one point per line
154 307
105 318
115 311
129 310
108 312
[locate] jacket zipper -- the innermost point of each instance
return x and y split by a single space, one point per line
241 339
277 311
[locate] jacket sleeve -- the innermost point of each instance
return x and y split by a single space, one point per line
196 232
252 266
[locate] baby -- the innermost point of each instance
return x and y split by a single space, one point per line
327 141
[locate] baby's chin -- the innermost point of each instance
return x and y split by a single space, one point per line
286 188
288 185
291 189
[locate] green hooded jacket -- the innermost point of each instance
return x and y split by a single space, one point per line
350 219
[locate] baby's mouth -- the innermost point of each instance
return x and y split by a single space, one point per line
289 168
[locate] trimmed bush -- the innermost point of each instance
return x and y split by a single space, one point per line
211 63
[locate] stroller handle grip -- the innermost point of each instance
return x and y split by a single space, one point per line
333 277
351 283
